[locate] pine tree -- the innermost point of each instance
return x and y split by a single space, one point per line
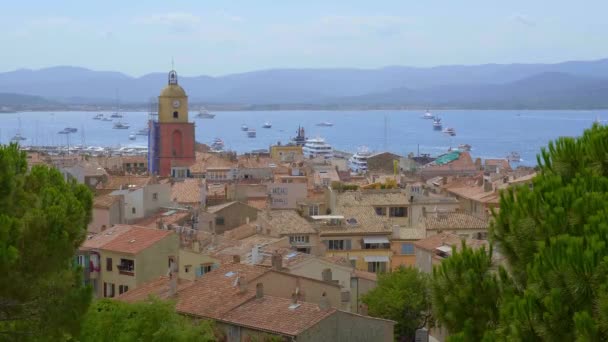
43 220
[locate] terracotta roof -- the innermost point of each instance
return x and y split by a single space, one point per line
365 275
502 163
258 203
475 193
409 233
126 182
373 197
357 220
463 163
158 287
186 191
97 241
283 222
176 217
214 295
273 314
136 240
215 208
104 201
447 239
453 221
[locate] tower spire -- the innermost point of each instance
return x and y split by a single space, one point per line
172 64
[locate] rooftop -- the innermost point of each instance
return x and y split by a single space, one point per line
373 198
104 201
135 240
125 182
214 295
186 191
453 220
158 287
357 220
277 315
447 239
285 222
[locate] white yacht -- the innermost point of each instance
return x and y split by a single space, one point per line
106 119
217 145
18 137
204 114
116 115
358 162
325 124
132 136
120 125
514 157
428 115
244 128
464 147
251 133
98 116
143 131
437 123
317 147
450 131
267 125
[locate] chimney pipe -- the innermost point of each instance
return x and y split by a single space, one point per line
277 261
294 298
326 275
324 302
259 290
242 283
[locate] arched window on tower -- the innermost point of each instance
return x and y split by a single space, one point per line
177 143
175 115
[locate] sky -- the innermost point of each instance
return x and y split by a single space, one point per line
224 37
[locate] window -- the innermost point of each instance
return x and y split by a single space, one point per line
203 269
376 246
338 245
126 266
175 115
219 221
296 239
155 196
81 260
407 249
397 212
109 264
122 289
108 289
376 267
133 210
187 268
353 262
380 211
313 209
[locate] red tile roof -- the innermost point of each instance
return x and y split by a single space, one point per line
97 241
136 240
273 314
447 239
158 287
214 294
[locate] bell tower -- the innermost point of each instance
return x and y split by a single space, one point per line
171 138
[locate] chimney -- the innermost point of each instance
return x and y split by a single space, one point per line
487 185
259 291
326 275
236 259
242 284
294 298
277 261
324 302
255 254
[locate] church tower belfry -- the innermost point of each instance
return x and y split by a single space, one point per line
171 138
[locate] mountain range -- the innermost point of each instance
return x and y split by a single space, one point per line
576 84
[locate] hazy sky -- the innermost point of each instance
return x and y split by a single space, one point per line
222 37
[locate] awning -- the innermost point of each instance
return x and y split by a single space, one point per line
375 239
376 258
445 249
327 217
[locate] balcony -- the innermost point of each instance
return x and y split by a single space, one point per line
126 267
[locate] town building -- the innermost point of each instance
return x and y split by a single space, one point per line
231 215
123 257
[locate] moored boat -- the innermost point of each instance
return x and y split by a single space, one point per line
267 125
514 157
450 131
204 114
428 115
251 133
437 123
317 147
120 125
325 124
358 162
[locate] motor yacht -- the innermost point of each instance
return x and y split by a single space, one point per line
325 124
204 114
244 128
18 137
217 145
300 138
514 157
120 125
251 133
132 136
358 162
143 131
317 147
98 116
428 115
437 123
450 131
267 125
464 147
116 115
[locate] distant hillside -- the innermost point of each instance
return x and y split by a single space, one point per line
546 90
17 100
494 85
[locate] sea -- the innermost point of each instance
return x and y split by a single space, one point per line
491 133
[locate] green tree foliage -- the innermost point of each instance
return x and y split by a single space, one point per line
43 220
150 320
464 292
401 296
554 237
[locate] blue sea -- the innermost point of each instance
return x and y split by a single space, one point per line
491 133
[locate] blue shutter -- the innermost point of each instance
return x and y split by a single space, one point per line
199 271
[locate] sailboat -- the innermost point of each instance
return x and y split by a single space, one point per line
18 137
117 113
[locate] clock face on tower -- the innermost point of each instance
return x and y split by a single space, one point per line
175 103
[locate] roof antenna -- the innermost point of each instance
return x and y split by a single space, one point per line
172 64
